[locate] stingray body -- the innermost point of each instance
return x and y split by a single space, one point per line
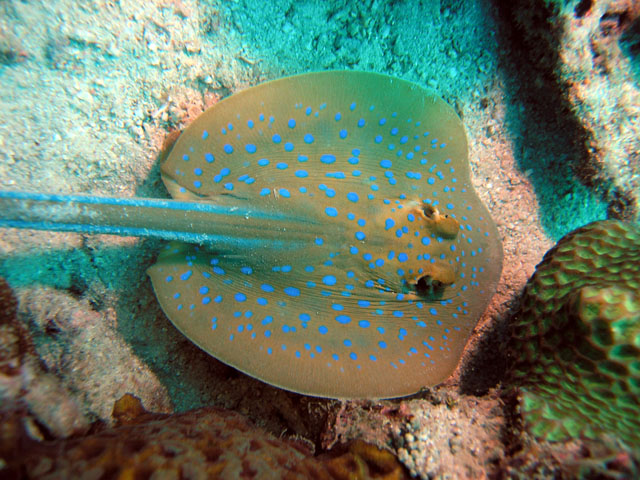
376 257
336 245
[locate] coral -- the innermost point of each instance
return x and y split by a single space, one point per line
204 443
575 341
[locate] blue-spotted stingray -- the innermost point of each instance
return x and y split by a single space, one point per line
336 245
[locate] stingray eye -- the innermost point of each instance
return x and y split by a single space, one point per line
428 287
429 211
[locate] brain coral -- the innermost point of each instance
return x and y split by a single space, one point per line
575 341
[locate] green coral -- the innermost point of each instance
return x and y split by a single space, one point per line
575 341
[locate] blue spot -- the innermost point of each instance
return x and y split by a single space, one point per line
185 157
327 158
292 291
364 324
402 257
353 160
323 330
204 290
205 134
337 307
301 173
291 123
267 320
347 342
240 297
343 319
197 184
404 139
385 163
208 158
267 333
276 138
228 148
228 186
265 191
382 344
169 279
361 122
353 356
308 111
338 116
262 301
330 211
250 124
335 174
251 148
352 107
378 139
394 131
363 303
360 235
288 147
263 162
389 223
308 138
329 280
352 196
343 133
197 171
362 222
425 240
186 275
382 121
206 300
284 192
282 166
305 317
353 250
266 287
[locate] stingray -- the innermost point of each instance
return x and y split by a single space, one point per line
327 237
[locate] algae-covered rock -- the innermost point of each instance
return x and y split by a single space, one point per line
575 341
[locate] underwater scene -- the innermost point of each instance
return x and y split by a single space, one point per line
375 239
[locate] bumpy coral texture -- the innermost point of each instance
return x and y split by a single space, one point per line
576 339
207 443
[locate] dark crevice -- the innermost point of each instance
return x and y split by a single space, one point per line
582 8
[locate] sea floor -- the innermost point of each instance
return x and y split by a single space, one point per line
90 90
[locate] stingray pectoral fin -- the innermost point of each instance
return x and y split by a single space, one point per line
290 327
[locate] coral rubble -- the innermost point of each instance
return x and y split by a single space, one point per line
204 443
